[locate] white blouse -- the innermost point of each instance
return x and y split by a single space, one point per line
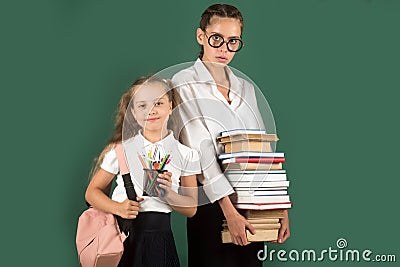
206 113
184 162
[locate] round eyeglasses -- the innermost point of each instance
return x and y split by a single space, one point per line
216 40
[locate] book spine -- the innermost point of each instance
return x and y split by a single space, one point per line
246 154
256 177
253 160
261 199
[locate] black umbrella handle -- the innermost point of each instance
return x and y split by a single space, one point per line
129 188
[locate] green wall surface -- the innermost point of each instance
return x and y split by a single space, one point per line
329 70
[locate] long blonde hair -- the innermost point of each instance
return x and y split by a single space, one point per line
126 124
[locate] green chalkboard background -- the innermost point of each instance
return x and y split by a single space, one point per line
329 69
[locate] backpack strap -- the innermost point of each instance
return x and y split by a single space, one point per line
124 171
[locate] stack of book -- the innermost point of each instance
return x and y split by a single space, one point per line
260 183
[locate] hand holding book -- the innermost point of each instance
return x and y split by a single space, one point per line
236 225
284 230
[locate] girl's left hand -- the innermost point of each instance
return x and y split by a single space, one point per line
165 182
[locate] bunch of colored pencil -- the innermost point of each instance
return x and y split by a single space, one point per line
152 165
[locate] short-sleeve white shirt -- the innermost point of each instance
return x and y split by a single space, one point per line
184 162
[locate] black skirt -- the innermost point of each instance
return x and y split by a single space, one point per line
205 247
151 243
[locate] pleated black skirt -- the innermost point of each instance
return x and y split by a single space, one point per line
151 244
205 247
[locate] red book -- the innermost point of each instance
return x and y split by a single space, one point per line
253 160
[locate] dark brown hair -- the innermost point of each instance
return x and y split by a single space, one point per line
219 10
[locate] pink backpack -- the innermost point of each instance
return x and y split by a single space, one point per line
99 240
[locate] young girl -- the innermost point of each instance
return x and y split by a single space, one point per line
218 95
143 126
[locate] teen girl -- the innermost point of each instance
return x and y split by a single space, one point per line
144 120
216 94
